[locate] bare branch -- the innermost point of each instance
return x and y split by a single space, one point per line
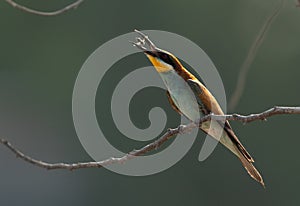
259 116
45 13
241 80
154 145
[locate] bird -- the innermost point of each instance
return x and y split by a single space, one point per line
189 97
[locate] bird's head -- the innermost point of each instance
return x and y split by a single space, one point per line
162 60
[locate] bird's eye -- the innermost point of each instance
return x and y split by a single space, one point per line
166 58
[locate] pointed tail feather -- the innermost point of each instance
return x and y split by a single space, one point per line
252 171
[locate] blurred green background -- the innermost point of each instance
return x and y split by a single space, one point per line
41 57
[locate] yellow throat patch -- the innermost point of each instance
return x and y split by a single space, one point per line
159 65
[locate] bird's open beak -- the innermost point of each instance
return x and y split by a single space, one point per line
145 44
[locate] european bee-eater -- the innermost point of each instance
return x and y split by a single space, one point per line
183 88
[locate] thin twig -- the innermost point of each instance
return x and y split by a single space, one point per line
45 13
154 145
241 80
259 116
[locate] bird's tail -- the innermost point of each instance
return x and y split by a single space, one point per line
252 171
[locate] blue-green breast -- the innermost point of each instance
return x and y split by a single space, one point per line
181 94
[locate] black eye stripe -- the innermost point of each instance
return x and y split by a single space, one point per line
166 58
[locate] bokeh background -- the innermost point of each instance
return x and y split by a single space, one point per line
40 58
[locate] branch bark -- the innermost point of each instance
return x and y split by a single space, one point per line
45 13
277 110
